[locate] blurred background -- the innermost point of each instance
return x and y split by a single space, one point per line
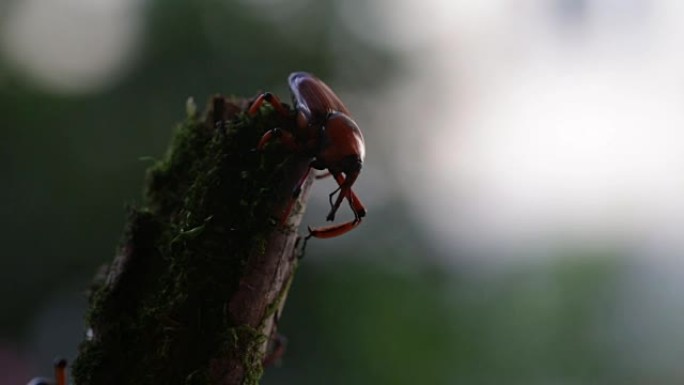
524 177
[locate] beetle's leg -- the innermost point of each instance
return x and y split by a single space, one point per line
286 138
354 201
334 230
332 194
272 100
60 371
298 187
356 205
295 194
345 189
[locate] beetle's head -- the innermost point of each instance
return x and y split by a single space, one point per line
350 164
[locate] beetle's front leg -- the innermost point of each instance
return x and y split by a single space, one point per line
270 99
334 230
356 205
286 138
345 192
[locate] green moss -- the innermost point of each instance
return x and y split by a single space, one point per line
207 207
276 304
246 342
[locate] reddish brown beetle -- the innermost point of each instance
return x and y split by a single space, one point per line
324 131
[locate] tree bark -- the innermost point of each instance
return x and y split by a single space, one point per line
196 289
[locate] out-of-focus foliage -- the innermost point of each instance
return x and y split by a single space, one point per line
356 321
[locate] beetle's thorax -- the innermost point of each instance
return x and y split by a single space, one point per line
341 143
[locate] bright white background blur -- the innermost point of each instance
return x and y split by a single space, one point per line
533 124
516 124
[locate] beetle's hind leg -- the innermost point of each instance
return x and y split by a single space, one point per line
295 194
286 138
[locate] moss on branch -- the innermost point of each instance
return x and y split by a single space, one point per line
194 294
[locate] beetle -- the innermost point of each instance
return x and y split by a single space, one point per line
60 375
324 131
